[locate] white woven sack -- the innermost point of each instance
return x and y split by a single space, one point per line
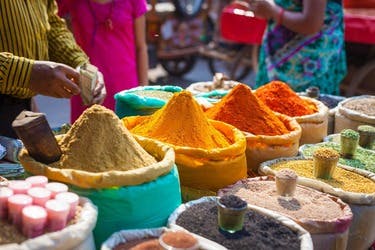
350 119
77 236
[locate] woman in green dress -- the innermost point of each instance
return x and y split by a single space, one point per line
303 44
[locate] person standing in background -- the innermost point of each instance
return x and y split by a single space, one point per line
303 44
112 33
38 55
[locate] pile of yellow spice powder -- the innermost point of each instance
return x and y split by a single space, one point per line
182 122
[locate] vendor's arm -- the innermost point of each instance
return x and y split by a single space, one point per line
15 75
308 21
21 77
62 46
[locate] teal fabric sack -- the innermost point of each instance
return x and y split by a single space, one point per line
129 103
134 207
213 96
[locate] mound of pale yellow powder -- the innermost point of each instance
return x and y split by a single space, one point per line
99 142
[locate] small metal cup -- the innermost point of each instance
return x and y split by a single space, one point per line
286 182
324 168
366 136
348 146
231 219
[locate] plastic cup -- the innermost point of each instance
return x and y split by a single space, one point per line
19 186
34 220
15 205
58 212
37 180
5 193
40 195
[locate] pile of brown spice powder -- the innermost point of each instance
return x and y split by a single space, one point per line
98 142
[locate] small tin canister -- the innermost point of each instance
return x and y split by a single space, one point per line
37 136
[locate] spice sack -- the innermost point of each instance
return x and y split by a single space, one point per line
362 204
209 154
355 111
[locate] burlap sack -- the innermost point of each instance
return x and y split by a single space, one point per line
208 170
350 119
362 229
77 236
314 126
262 148
163 153
325 234
304 236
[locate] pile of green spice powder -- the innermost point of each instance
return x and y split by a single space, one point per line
362 159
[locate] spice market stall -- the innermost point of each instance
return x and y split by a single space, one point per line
101 160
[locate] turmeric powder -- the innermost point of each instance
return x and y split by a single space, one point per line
98 142
181 122
243 110
279 97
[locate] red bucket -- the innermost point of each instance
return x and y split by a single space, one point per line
238 24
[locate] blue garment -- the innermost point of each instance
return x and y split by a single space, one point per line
303 61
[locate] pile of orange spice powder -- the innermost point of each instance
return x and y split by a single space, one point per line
279 97
182 122
243 110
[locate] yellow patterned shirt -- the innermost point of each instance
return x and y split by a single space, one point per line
31 30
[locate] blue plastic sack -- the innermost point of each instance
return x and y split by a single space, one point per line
12 146
134 207
128 103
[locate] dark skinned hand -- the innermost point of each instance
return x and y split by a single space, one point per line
54 79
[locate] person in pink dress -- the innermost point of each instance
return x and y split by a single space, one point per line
112 33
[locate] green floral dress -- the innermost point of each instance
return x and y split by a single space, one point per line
304 61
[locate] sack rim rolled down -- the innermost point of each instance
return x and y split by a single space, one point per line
112 178
304 236
315 226
355 115
235 149
318 117
345 196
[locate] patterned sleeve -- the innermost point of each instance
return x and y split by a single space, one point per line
15 75
62 46
140 8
